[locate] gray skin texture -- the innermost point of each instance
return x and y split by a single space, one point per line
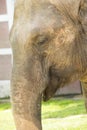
49 44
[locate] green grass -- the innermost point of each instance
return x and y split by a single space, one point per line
5 106
57 114
62 108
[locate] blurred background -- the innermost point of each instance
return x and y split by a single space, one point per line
6 20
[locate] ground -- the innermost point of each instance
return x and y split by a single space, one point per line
57 114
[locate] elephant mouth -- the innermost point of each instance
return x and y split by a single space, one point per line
52 87
55 82
59 78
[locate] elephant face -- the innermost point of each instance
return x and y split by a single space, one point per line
57 32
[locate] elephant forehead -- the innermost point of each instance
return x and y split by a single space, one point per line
42 23
43 20
49 18
46 18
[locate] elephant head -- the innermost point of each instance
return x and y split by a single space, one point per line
49 43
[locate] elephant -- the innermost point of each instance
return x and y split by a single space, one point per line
49 45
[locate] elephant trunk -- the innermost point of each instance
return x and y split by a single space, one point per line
26 102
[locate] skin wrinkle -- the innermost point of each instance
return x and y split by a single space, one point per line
49 44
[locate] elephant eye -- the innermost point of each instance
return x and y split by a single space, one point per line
42 40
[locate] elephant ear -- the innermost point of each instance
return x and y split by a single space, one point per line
83 15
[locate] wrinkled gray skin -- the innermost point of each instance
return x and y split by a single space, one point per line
49 43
